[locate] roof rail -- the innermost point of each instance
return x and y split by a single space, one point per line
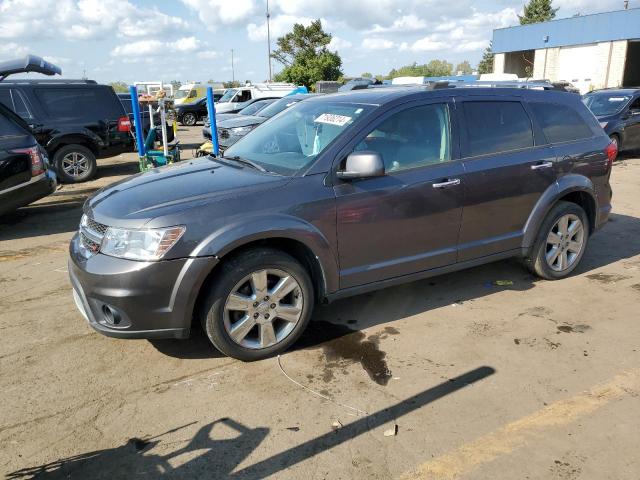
529 85
58 81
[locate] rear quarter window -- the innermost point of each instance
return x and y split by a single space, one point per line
495 127
93 103
9 128
560 123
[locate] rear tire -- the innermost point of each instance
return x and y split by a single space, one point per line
259 304
75 163
561 242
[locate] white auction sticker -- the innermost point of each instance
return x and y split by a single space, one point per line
333 119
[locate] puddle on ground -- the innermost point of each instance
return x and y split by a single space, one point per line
573 328
607 277
343 346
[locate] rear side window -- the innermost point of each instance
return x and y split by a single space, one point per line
80 103
5 98
494 127
20 104
560 123
8 127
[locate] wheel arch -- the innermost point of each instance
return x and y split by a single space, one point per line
61 141
572 188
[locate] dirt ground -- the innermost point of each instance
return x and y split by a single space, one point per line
530 380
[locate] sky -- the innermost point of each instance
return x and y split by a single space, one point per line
191 40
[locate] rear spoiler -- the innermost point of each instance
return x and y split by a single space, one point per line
30 63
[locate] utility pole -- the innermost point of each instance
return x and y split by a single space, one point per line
269 39
233 72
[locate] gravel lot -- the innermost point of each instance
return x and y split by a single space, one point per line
533 379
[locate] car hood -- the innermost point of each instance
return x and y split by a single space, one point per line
242 121
165 191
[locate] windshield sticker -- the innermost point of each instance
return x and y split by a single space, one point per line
333 119
617 99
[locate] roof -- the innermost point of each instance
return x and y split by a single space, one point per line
616 91
585 29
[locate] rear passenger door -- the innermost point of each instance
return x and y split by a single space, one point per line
507 168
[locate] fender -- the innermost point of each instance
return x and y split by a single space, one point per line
564 185
84 137
228 238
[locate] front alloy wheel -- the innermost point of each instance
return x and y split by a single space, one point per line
263 308
189 119
258 304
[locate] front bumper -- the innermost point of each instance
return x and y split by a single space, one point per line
129 299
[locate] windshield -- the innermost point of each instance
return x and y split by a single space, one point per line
293 140
228 95
255 107
182 94
605 103
278 106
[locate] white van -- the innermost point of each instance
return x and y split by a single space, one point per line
235 99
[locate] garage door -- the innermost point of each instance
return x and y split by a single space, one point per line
578 66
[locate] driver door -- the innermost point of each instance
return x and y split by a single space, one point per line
408 220
632 126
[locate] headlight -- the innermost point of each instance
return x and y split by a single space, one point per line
239 131
604 124
148 244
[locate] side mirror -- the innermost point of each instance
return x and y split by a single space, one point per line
363 164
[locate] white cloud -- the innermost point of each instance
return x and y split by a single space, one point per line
338 44
150 48
278 26
226 12
12 50
426 44
406 23
208 54
377 44
82 19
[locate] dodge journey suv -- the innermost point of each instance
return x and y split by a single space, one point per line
339 195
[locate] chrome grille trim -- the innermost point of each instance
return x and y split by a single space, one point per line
91 235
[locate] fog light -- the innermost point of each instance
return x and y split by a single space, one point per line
111 316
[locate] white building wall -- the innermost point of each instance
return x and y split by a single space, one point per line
498 63
616 66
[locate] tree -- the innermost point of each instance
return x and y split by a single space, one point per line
366 75
120 87
463 68
305 56
234 84
435 68
486 64
537 11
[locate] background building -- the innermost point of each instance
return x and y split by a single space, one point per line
590 51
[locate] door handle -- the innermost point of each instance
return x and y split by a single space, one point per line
542 165
449 183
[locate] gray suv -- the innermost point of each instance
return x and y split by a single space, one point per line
336 196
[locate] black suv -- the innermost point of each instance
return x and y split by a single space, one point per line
618 111
76 121
336 196
24 175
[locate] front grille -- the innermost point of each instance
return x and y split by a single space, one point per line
95 227
89 244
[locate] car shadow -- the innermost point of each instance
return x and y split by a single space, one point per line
350 315
219 447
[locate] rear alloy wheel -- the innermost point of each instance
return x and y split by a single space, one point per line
260 303
561 242
75 163
189 119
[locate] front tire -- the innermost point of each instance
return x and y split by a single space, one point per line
75 164
189 119
259 304
561 242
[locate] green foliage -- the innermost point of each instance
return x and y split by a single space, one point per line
305 56
234 84
486 64
537 11
366 75
435 68
120 87
464 68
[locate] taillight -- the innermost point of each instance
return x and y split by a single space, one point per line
124 124
37 162
612 152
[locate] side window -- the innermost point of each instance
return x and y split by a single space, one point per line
5 98
94 103
560 123
494 127
244 96
20 104
635 105
193 94
414 137
8 127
